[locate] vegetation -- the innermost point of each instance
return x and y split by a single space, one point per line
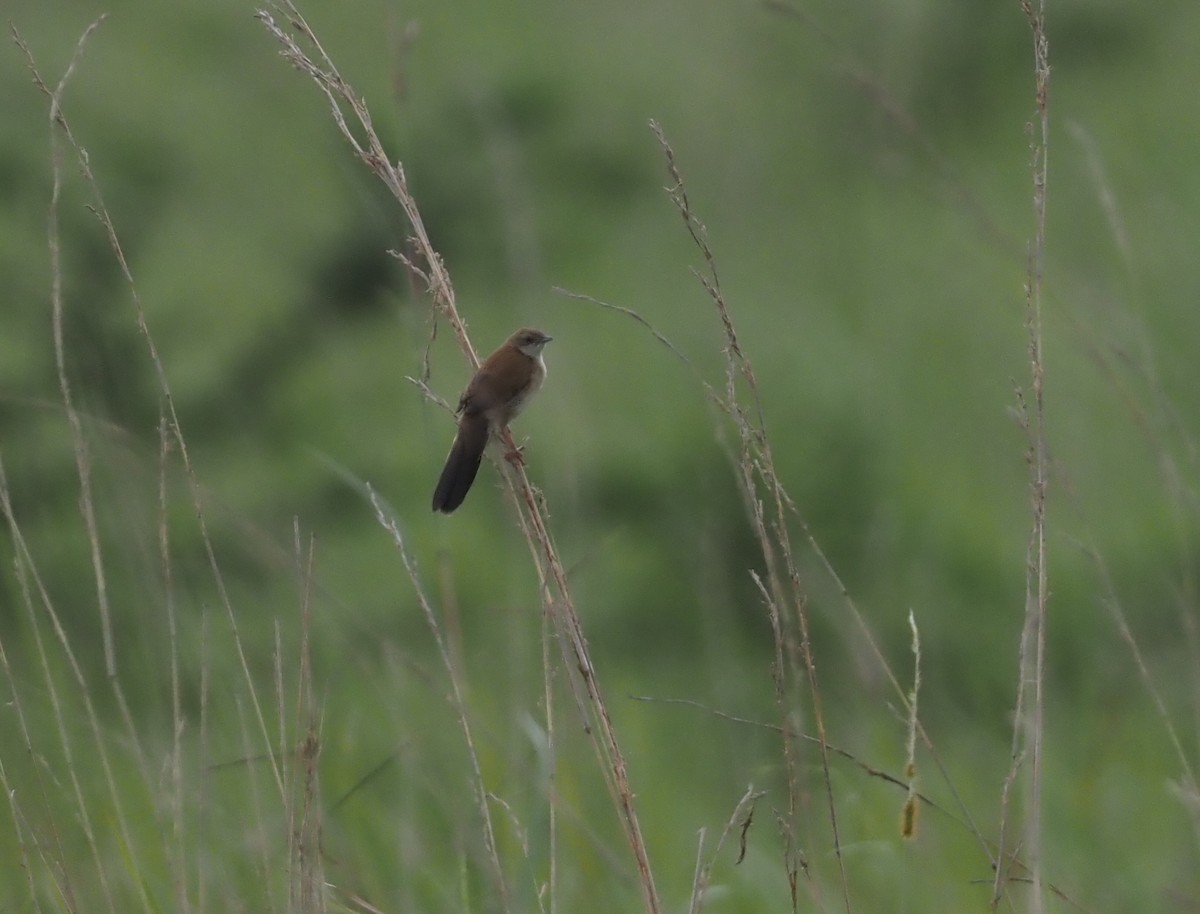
853 563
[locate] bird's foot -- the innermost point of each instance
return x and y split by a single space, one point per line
515 455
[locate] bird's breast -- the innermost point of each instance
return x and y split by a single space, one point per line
537 377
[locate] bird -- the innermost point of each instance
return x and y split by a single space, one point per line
500 389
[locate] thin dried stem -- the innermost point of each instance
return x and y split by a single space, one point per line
83 457
1040 588
178 827
908 828
37 603
741 818
785 645
353 121
548 670
762 489
388 521
1028 725
167 409
308 882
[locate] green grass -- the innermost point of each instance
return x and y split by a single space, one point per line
281 731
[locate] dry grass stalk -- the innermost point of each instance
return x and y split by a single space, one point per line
458 695
908 827
168 413
83 458
786 648
100 751
741 818
353 120
770 510
307 877
1028 728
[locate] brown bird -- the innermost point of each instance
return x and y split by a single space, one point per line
501 387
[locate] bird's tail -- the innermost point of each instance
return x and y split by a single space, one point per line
462 463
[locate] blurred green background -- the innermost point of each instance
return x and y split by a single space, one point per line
863 173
